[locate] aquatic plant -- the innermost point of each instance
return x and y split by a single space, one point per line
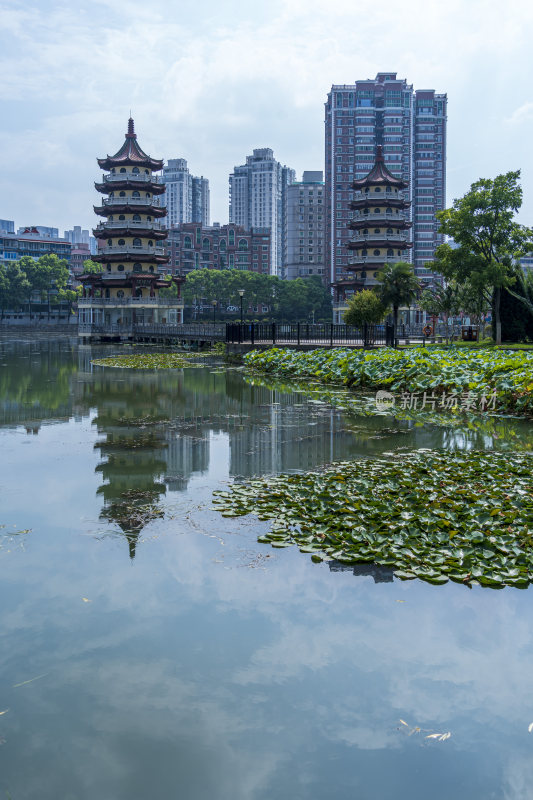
151 360
432 515
506 376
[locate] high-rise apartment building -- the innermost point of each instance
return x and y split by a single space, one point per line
258 199
78 235
411 128
305 226
186 197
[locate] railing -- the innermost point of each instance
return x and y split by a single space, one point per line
85 302
368 237
130 223
303 333
131 176
201 332
131 201
135 249
371 260
371 218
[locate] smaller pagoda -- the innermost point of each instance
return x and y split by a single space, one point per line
131 238
380 226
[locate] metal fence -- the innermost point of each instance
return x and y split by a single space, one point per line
303 333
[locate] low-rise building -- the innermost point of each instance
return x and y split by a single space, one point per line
192 246
29 243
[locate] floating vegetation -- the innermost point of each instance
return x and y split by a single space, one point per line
508 376
152 360
359 404
434 515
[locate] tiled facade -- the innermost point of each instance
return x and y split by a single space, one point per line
187 197
305 227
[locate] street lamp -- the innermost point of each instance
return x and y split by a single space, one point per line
241 295
214 304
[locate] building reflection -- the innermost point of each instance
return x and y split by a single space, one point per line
378 573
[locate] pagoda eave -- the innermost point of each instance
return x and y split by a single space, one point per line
109 162
106 211
105 187
358 224
387 202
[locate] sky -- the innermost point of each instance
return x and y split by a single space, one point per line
210 81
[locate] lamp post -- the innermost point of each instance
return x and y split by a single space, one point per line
214 304
241 295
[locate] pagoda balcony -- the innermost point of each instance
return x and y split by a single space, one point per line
369 238
369 219
109 177
109 250
129 223
131 201
84 302
360 262
369 202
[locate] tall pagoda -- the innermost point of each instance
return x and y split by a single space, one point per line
380 226
130 248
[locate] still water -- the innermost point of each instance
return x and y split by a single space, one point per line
150 648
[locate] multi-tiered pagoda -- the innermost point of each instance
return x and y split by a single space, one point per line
380 228
126 294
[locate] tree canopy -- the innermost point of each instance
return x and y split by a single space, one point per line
364 307
398 286
488 239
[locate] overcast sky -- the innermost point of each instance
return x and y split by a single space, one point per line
209 81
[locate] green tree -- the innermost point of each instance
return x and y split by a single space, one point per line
364 307
91 267
441 301
398 286
489 240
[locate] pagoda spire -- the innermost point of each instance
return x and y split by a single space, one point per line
131 130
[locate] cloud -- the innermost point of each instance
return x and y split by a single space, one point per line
246 77
522 114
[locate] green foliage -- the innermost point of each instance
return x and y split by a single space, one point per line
286 300
489 240
441 300
398 286
364 307
46 276
417 370
437 516
92 267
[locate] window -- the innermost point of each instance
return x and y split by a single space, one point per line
222 246
123 169
121 242
376 252
134 194
377 230
137 243
136 218
138 292
390 252
135 170
110 242
377 211
120 268
122 216
206 245
137 267
120 293
187 242
377 189
122 194
231 237
243 244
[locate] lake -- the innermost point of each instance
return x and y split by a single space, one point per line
151 648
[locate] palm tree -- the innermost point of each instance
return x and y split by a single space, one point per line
398 286
440 300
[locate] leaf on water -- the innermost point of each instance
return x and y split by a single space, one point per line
4 712
530 727
404 722
434 736
85 599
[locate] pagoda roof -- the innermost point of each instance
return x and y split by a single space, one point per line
130 154
379 175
